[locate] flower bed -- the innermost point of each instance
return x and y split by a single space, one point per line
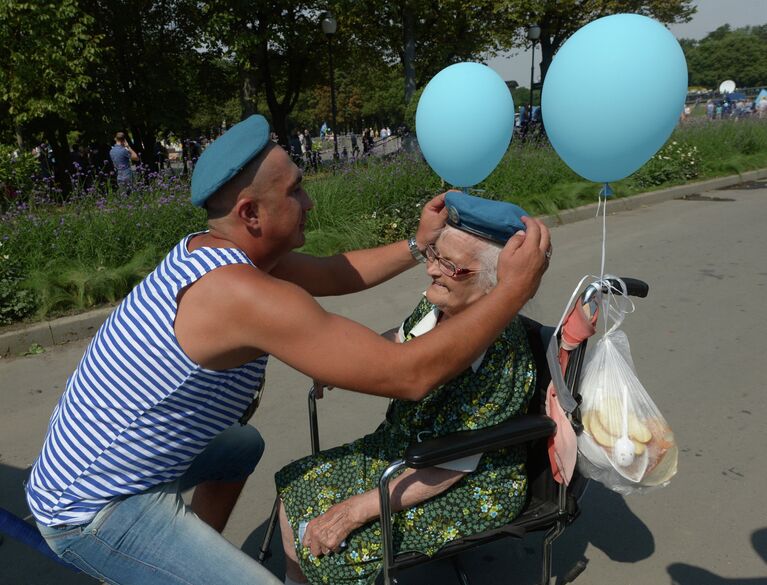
62 255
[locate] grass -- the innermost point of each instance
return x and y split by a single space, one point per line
92 248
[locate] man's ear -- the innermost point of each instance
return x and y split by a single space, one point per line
248 212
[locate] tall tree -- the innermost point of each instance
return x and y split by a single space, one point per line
422 37
559 19
46 49
148 62
275 45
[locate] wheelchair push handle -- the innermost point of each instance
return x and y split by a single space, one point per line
634 288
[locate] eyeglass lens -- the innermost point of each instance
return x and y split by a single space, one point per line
447 267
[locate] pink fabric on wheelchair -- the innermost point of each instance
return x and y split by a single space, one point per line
563 446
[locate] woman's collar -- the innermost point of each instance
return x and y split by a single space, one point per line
429 322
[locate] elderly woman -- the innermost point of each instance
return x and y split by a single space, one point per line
335 491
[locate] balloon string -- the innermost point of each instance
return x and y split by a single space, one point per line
603 203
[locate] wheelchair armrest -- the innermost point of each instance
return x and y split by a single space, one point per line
515 431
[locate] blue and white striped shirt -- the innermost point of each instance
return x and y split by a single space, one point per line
137 410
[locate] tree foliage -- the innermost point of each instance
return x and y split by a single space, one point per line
46 49
274 45
740 55
423 37
561 18
149 67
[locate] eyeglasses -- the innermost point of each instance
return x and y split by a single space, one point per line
447 267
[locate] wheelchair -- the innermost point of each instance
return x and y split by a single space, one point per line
551 506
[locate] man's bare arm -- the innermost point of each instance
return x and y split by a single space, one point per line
360 269
241 312
344 273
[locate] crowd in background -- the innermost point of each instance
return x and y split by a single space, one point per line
173 155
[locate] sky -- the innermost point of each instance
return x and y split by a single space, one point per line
711 14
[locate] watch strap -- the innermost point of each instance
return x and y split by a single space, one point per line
414 251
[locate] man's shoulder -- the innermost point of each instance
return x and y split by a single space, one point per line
118 151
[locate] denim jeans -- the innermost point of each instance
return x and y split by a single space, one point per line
152 538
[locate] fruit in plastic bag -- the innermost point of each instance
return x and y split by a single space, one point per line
620 417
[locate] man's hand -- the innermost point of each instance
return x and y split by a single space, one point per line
324 534
525 257
433 218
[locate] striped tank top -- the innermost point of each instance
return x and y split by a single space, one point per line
137 411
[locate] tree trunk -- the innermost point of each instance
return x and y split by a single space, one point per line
547 54
248 93
56 136
408 31
139 140
280 124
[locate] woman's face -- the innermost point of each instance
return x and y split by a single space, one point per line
453 294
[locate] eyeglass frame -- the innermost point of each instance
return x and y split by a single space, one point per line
447 267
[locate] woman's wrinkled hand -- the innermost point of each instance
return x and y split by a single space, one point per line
324 534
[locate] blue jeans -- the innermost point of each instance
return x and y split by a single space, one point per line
152 538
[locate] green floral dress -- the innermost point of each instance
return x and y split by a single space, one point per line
487 498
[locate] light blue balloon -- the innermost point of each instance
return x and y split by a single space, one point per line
464 122
613 95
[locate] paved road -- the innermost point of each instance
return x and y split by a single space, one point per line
698 344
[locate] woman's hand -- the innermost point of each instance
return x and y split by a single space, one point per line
324 534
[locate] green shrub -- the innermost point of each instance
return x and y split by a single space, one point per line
17 170
64 286
97 245
676 162
16 302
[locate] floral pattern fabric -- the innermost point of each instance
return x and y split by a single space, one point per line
487 498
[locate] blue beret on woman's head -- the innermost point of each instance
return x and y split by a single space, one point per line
492 220
227 156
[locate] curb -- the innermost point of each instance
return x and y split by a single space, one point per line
653 197
56 332
66 329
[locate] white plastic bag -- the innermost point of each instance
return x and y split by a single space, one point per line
626 444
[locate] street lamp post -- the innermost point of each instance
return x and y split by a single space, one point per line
329 26
533 34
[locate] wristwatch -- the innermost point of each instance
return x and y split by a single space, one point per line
414 251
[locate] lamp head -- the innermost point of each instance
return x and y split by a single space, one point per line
329 23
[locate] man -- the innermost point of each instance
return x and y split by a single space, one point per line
122 155
151 408
309 154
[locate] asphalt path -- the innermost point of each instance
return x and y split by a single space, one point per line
698 345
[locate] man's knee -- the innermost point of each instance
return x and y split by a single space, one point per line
231 456
250 447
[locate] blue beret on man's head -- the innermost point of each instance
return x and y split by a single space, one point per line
227 155
492 220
